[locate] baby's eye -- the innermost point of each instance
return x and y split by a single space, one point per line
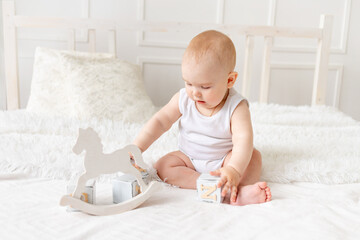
205 87
189 84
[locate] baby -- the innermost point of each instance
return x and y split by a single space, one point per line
215 128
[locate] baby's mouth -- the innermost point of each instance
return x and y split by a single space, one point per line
201 102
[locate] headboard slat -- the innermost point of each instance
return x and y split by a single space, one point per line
112 42
83 23
71 40
10 55
246 80
265 72
322 61
92 40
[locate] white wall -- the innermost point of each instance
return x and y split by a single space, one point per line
159 54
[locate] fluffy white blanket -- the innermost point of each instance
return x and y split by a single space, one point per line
314 144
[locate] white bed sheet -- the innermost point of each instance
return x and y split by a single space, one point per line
29 209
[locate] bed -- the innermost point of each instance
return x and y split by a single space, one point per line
311 154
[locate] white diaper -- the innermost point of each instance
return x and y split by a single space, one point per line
205 166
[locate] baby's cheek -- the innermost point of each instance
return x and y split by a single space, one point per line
212 97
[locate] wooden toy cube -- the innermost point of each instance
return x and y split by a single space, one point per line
207 188
88 196
124 188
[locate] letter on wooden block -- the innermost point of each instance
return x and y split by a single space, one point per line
89 195
207 188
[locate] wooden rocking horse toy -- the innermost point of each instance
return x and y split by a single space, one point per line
97 163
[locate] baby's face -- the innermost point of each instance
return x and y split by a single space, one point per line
205 83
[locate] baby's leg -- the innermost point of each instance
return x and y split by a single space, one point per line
250 190
176 168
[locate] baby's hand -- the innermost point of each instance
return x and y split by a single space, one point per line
230 179
132 159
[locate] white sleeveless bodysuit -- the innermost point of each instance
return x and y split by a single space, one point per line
206 140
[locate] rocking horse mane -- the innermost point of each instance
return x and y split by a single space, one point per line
86 136
89 133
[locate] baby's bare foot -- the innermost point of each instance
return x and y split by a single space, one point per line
251 194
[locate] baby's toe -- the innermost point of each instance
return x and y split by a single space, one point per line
262 185
268 194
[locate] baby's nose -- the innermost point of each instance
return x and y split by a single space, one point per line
197 93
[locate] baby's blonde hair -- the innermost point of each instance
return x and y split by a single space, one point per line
212 44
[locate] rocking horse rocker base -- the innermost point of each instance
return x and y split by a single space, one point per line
97 163
102 210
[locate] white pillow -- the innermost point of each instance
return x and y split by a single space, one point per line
106 88
49 91
87 85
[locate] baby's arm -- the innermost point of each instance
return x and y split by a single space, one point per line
158 124
242 137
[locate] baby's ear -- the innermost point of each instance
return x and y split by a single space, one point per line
232 79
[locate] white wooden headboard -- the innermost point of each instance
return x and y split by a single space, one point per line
322 34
